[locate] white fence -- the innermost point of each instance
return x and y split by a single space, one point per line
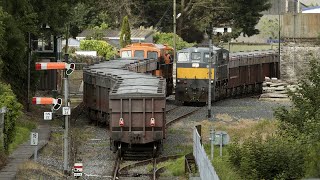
204 165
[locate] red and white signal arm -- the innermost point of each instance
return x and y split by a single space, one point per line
56 65
152 122
51 65
121 122
48 100
77 169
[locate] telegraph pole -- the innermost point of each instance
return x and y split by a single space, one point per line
210 72
279 11
66 117
29 60
174 30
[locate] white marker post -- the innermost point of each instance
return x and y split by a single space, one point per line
221 141
212 135
3 110
34 142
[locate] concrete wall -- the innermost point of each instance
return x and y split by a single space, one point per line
301 25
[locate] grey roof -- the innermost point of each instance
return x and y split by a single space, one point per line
115 34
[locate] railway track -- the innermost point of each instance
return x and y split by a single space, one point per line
179 113
124 172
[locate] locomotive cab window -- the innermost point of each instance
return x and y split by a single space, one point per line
196 56
207 58
152 55
139 54
126 54
225 56
183 56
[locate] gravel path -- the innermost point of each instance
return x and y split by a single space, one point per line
97 158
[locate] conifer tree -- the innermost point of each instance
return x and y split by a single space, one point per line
125 35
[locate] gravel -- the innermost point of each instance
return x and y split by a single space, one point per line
98 160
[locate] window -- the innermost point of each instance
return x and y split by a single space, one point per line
152 55
183 56
45 43
196 56
126 54
139 54
206 57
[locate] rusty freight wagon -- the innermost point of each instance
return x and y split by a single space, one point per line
125 95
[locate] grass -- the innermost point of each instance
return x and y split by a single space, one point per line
23 130
32 170
173 167
221 164
54 146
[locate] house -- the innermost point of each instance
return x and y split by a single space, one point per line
113 36
72 43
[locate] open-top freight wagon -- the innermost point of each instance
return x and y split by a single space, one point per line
125 95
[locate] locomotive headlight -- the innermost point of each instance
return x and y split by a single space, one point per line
178 80
211 81
196 65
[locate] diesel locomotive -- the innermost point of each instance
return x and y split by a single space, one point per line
232 73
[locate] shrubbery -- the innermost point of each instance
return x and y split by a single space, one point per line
102 47
294 151
167 38
274 158
14 111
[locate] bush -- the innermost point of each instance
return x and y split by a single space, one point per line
274 158
14 111
102 47
167 38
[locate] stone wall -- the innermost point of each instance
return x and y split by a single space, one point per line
295 59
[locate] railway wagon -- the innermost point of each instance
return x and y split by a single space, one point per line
125 95
98 83
232 73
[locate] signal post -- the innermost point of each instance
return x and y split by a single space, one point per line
68 69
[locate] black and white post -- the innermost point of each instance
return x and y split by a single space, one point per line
34 142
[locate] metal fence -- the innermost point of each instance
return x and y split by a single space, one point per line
204 164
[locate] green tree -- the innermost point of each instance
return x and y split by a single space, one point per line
302 120
9 100
125 34
102 47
